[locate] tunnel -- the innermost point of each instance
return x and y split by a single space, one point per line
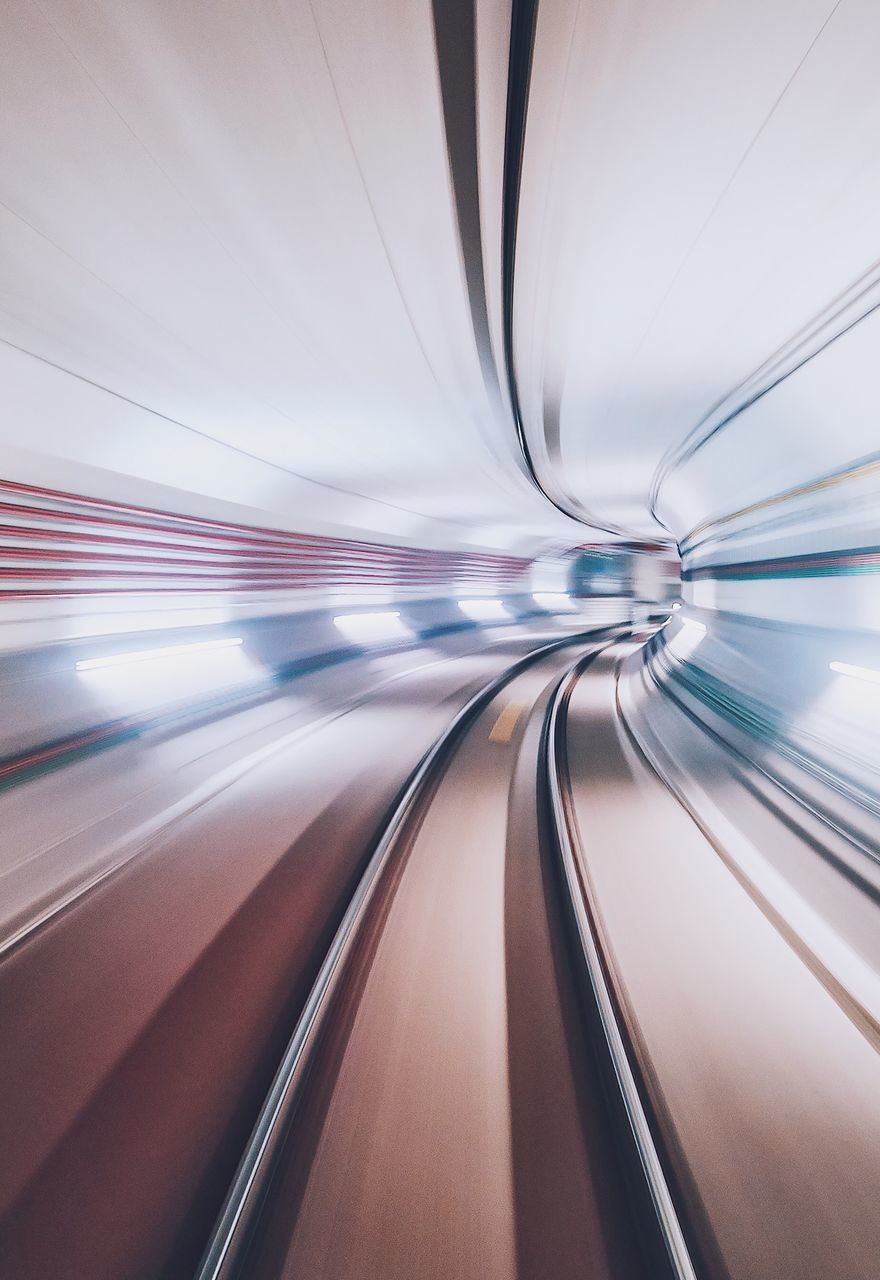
439 659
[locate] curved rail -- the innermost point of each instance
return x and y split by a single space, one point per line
233 1233
583 910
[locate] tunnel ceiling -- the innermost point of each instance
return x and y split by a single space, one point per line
296 259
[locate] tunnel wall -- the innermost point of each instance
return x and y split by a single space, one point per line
775 501
76 565
775 496
83 578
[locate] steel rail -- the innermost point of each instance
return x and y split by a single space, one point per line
234 1231
583 907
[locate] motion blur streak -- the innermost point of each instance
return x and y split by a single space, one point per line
458 992
747 1041
439 640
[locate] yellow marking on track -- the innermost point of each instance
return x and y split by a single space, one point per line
502 730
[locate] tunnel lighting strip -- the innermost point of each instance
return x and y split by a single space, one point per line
168 651
553 599
384 615
483 609
580 897
384 625
856 673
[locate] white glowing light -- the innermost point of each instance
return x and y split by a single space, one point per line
367 627
159 654
687 638
483 610
856 673
146 680
558 601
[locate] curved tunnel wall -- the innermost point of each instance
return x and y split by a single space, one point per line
775 501
72 564
774 496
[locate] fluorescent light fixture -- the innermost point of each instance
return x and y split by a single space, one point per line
856 673
558 601
364 628
154 655
483 610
